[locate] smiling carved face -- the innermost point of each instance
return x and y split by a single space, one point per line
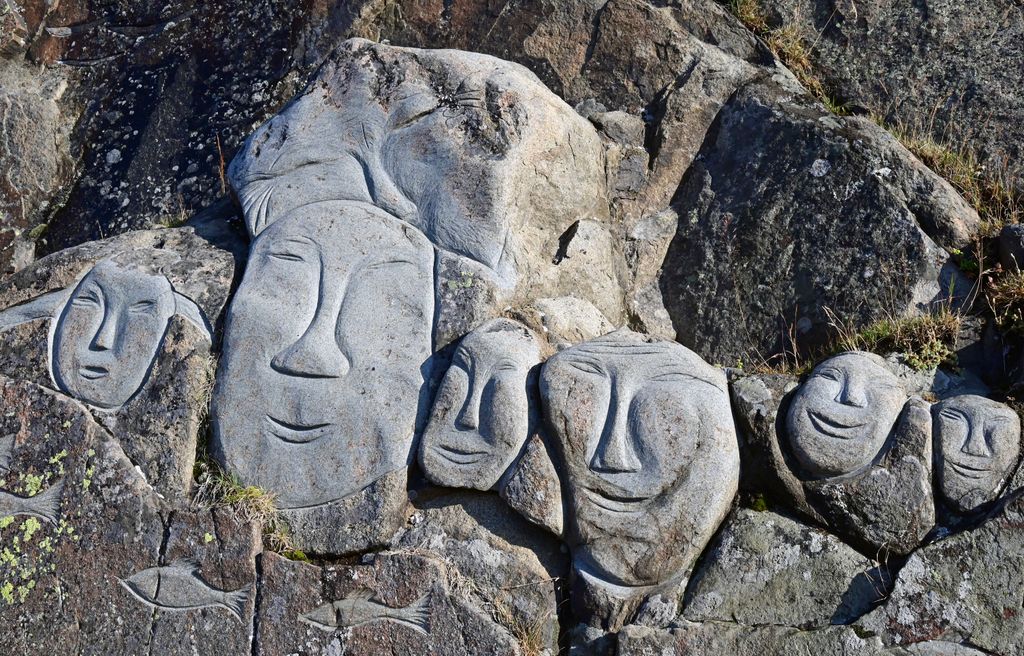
842 415
977 442
649 454
481 416
108 334
325 342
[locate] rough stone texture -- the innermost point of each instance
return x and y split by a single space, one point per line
435 618
772 252
946 69
764 568
106 524
157 424
962 588
35 158
534 489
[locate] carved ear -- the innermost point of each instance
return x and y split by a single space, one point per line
187 308
43 306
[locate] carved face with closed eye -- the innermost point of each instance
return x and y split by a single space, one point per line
319 391
977 443
841 416
648 447
481 415
107 336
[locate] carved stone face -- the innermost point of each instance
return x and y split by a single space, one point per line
325 339
648 451
481 416
450 142
842 415
108 333
977 443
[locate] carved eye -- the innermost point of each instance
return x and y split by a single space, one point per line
288 256
950 414
828 374
506 365
87 298
587 367
413 109
670 377
142 307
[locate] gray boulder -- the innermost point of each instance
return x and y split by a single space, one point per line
955 67
765 568
84 536
964 588
772 252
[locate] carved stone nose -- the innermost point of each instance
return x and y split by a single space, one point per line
315 355
615 453
105 336
853 393
976 445
469 416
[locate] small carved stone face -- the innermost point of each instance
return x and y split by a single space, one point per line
109 332
649 452
842 415
324 345
481 416
977 443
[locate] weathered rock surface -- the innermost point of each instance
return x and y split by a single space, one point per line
764 568
81 533
962 588
153 376
772 253
942 68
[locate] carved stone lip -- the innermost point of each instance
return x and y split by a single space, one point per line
93 372
460 456
296 433
835 427
614 502
967 471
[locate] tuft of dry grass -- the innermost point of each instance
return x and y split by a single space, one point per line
926 341
215 488
993 194
789 46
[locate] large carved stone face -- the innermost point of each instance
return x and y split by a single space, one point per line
842 415
325 340
648 452
108 334
977 443
449 142
481 416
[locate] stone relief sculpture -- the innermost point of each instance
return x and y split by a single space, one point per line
842 415
482 417
453 143
977 445
326 344
360 608
106 330
178 587
648 453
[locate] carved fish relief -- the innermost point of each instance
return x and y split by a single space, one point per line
178 587
361 607
45 505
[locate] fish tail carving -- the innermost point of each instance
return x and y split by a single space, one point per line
416 615
235 601
46 505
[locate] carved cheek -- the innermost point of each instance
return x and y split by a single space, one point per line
503 410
